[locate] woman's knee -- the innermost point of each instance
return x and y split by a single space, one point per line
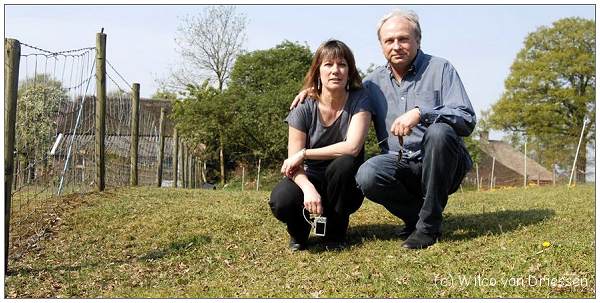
284 199
342 167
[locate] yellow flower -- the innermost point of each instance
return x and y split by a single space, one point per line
546 244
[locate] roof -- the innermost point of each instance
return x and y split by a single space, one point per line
513 159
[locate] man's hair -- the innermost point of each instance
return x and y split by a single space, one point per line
331 49
408 15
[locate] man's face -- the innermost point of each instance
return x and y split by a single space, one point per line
398 41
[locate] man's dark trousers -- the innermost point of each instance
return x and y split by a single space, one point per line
417 191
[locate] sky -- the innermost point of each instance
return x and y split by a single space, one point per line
481 41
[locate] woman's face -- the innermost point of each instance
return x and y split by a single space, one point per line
334 73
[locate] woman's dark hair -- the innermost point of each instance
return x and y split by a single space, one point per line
331 49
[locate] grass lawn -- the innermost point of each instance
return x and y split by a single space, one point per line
158 242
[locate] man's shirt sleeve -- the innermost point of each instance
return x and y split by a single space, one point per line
455 107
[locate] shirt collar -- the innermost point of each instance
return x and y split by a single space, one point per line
414 66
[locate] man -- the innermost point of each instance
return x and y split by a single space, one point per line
420 111
419 101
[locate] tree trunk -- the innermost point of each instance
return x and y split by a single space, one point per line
221 158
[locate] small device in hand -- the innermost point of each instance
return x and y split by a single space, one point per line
320 226
318 223
401 141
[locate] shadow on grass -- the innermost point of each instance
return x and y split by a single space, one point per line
457 227
175 247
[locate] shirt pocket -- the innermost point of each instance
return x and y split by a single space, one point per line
429 98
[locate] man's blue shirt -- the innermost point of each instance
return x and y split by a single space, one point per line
433 85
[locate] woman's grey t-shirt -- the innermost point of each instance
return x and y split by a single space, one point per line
305 118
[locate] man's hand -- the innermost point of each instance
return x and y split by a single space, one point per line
291 164
312 201
299 98
404 124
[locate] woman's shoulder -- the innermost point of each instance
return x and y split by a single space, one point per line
306 107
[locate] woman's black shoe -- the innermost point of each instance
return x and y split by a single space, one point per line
295 245
298 236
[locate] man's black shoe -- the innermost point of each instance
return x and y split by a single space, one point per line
420 240
405 232
296 245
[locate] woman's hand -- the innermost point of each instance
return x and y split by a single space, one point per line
291 164
312 201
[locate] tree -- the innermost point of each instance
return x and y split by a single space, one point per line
245 121
208 44
264 82
38 103
550 91
206 118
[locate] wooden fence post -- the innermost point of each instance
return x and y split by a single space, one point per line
243 172
189 167
100 109
258 176
135 129
199 177
183 161
175 156
477 174
193 172
15 167
188 174
197 173
12 56
492 174
161 147
525 165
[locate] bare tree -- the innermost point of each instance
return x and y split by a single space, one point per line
208 44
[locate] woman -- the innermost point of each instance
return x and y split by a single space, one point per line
325 149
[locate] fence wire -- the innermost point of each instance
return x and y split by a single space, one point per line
55 139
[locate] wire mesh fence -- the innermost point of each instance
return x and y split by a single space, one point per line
52 86
54 154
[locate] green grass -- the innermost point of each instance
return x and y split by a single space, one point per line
150 242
